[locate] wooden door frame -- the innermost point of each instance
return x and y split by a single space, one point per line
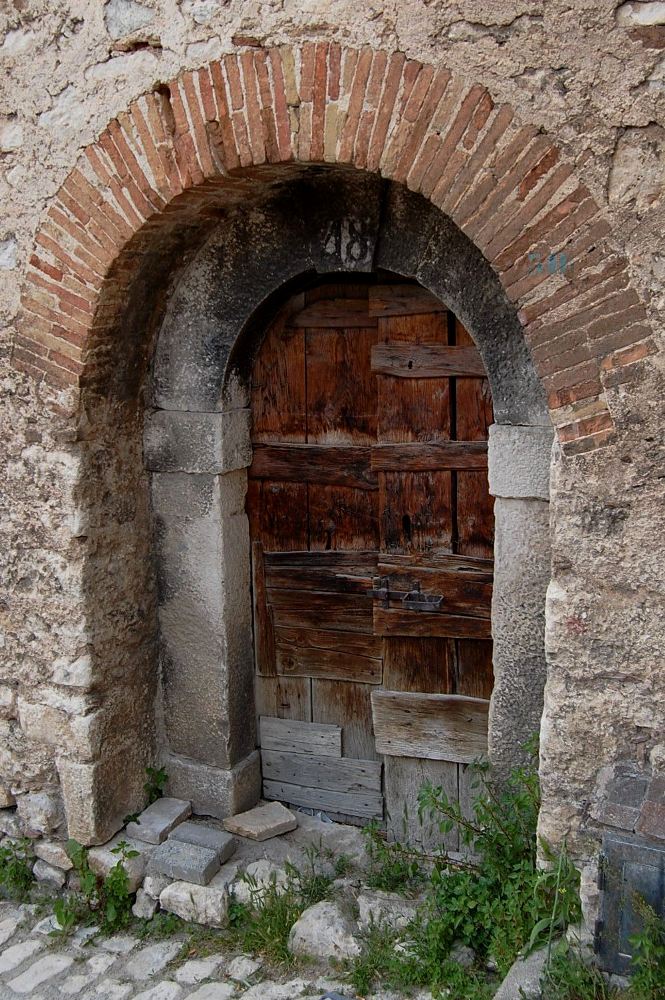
197 449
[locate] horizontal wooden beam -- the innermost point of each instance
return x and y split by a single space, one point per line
328 465
330 664
429 624
300 737
369 804
406 360
469 567
429 457
344 774
402 300
434 726
461 595
345 313
356 643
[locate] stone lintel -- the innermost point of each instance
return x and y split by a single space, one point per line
519 461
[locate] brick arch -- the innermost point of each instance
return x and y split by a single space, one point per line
504 184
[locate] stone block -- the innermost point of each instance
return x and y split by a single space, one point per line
263 822
145 906
519 461
16 954
523 979
40 813
242 968
652 820
215 791
209 443
187 862
44 872
201 904
7 797
222 843
156 822
262 874
10 823
324 931
196 970
102 859
40 972
155 884
53 853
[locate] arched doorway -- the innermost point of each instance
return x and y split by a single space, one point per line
372 540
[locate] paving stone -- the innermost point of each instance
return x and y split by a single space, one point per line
44 872
196 970
163 991
18 953
120 944
83 936
156 822
8 928
274 991
200 904
40 972
261 875
154 885
53 853
102 859
112 990
243 968
214 991
387 908
262 822
523 979
72 986
186 862
222 843
150 960
47 925
99 964
145 906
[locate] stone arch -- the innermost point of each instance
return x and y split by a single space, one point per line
167 173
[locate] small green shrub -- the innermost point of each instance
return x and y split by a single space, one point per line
107 901
392 866
16 861
155 784
648 982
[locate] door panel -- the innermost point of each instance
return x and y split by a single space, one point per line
372 532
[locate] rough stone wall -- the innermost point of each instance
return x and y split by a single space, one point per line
590 74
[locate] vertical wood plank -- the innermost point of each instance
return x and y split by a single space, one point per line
403 779
264 638
349 706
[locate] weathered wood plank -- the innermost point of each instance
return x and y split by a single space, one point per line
408 360
309 609
340 664
283 698
311 463
343 774
399 621
337 312
403 779
358 643
368 804
470 567
278 402
348 706
342 518
300 737
264 640
291 578
402 300
434 726
432 456
341 390
461 595
419 664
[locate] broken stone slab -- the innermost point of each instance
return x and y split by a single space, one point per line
147 962
203 835
262 822
214 991
196 970
324 931
200 904
276 991
145 906
156 822
386 908
243 968
523 979
102 859
154 885
185 862
251 885
44 872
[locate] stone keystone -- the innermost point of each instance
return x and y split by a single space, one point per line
187 862
156 822
204 835
263 822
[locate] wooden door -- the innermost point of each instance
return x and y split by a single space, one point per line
372 532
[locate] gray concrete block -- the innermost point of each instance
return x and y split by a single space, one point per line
156 822
178 441
519 461
188 862
204 835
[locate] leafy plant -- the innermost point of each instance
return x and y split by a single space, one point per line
107 900
393 867
155 784
567 977
115 897
16 860
648 982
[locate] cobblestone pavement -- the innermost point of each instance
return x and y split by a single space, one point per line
36 965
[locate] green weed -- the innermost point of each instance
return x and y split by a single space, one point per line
567 977
155 784
106 901
16 861
648 982
392 867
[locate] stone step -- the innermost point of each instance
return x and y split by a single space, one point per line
185 862
262 822
204 835
156 822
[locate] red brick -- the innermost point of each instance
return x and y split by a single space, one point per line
42 265
549 360
562 220
411 73
252 108
429 149
501 158
124 138
207 95
356 100
319 101
235 86
200 135
521 217
87 267
591 443
135 220
629 355
163 129
574 394
478 122
96 203
412 139
242 139
575 249
421 85
229 147
565 377
368 116
385 110
40 368
84 305
437 182
541 168
334 71
585 427
307 59
607 309
280 106
623 336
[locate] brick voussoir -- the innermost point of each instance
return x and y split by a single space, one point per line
252 107
549 233
593 442
230 156
194 107
497 126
